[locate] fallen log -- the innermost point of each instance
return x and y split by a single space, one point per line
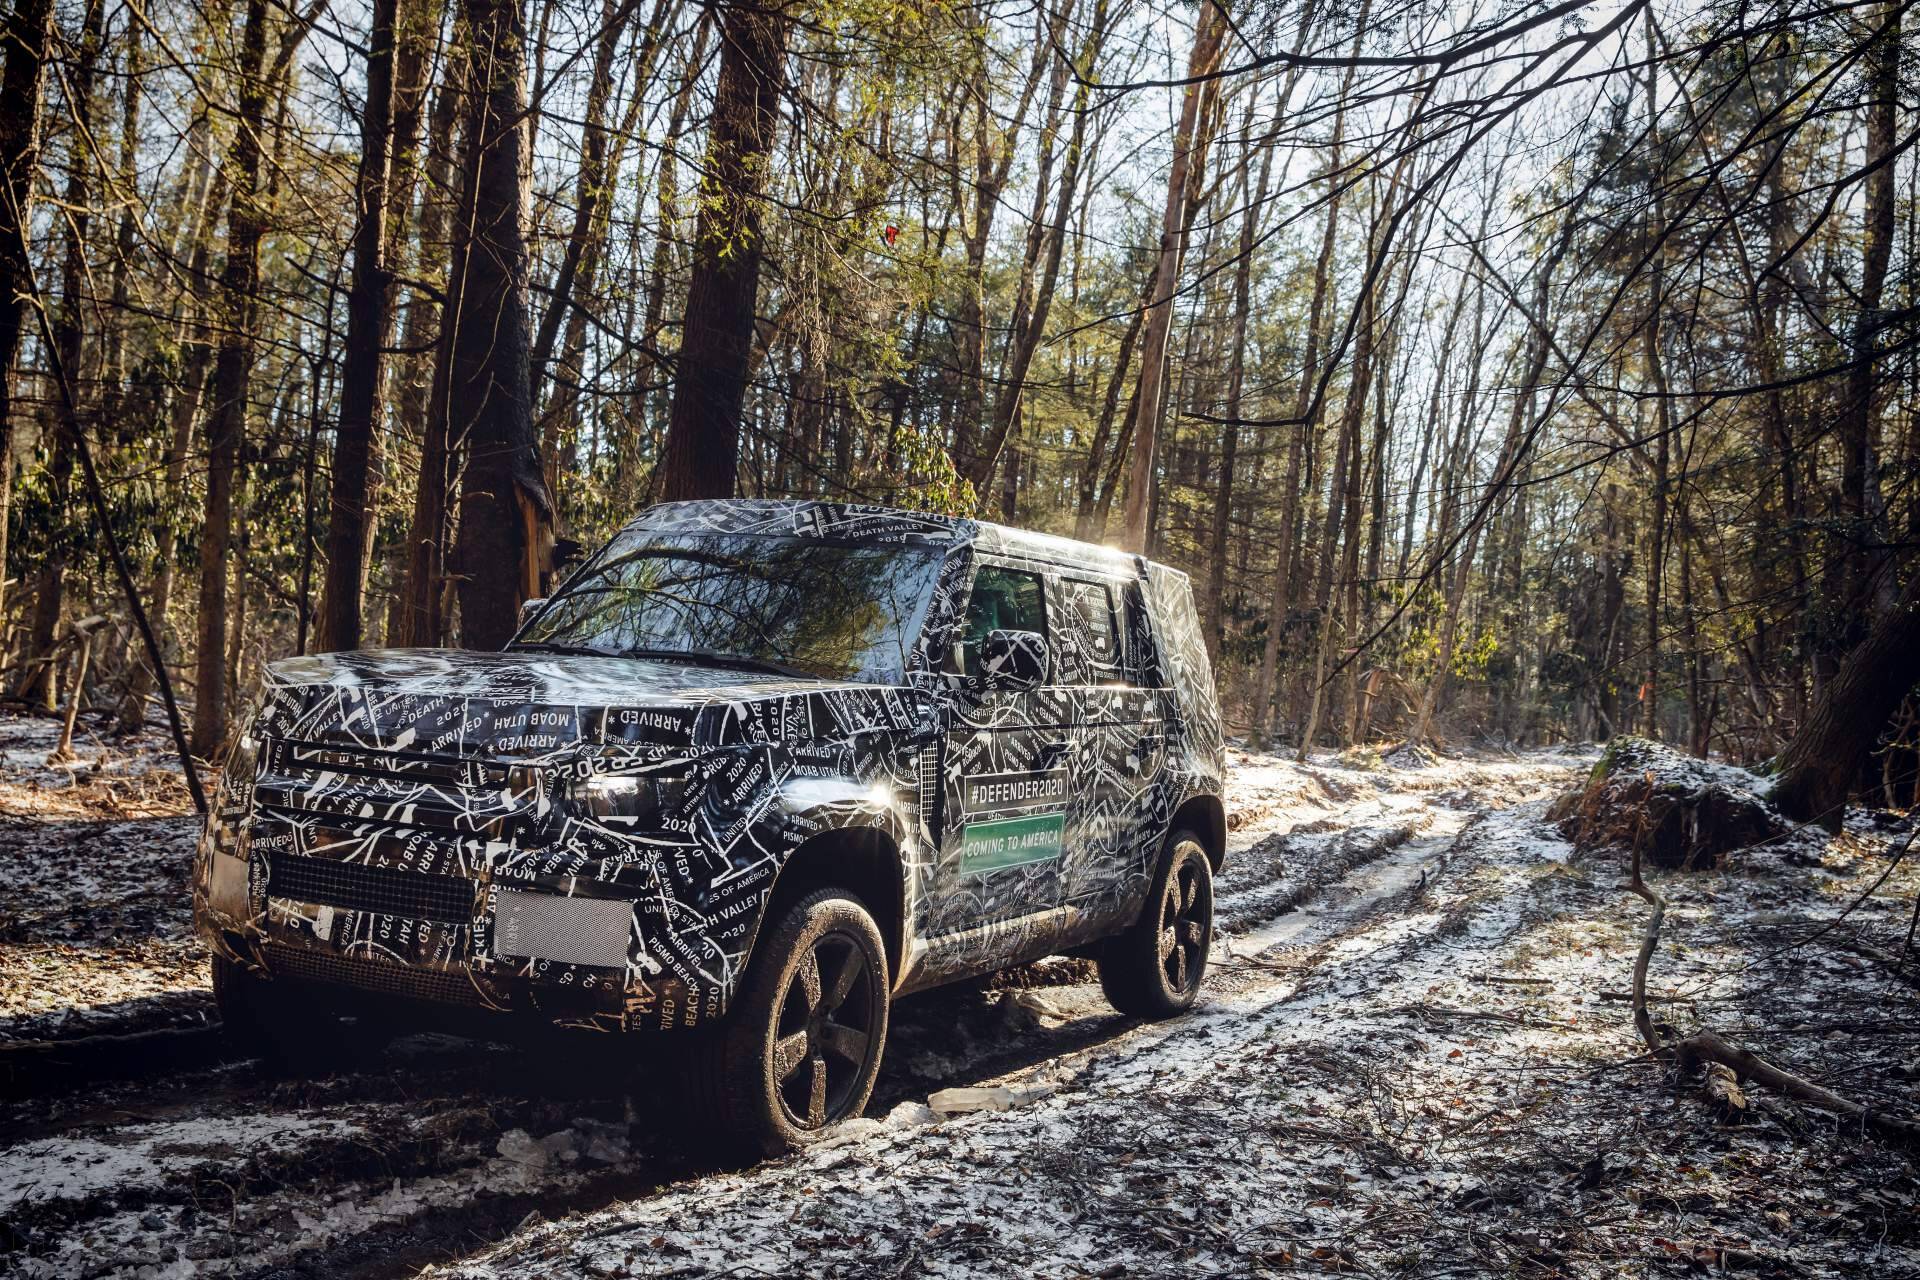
1711 1047
1707 1048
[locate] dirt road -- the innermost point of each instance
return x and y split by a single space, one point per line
1407 1061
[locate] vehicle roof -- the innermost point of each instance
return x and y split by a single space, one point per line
857 522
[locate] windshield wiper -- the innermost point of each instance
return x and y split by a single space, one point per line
718 659
572 650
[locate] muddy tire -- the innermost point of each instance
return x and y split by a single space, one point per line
800 1048
286 1032
1153 970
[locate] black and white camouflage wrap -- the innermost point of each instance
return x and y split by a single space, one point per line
388 810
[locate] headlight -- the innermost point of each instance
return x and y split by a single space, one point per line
627 798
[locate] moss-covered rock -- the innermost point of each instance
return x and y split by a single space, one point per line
1682 812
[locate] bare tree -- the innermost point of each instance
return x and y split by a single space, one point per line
506 517
29 28
232 381
356 450
710 382
1189 156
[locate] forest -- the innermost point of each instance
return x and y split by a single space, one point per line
1529 390
1499 373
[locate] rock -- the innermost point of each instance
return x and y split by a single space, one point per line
911 1115
1682 812
522 1148
964 1101
849 1131
518 1145
1564 805
1040 1006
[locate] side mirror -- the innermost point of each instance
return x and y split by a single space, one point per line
1012 662
530 607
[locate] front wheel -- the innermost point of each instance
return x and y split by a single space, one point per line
800 1049
1153 970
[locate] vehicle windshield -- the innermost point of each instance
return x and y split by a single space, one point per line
783 605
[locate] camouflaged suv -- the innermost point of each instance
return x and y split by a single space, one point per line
757 768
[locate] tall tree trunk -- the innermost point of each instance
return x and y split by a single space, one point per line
667 192
196 355
356 451
419 618
1301 437
1089 486
1819 767
416 40
1662 408
994 141
1343 511
1189 157
232 382
1236 380
506 518
69 336
1045 244
593 185
1301 442
126 234
702 448
29 27
1866 579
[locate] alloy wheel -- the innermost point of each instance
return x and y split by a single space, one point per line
824 1032
1186 915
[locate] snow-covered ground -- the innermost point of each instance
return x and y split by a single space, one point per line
1410 1059
94 855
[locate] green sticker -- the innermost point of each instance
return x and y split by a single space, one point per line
1014 842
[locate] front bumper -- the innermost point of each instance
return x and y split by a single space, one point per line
572 924
531 950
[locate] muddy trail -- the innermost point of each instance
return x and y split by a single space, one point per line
1408 1053
134 1142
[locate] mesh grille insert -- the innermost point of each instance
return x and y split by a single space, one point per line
438 985
571 930
412 894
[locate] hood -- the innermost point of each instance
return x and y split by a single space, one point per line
528 677
463 702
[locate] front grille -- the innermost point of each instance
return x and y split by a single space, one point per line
437 985
444 793
383 890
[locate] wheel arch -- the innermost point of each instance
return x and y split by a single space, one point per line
862 859
1206 816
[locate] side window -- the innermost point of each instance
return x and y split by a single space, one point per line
1142 661
1095 630
1002 600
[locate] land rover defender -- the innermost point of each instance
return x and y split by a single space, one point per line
754 770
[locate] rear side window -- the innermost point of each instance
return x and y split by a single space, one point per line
1092 631
1142 662
1002 600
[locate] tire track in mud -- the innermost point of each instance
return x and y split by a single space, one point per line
313 1208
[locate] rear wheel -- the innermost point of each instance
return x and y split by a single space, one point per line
1153 970
800 1049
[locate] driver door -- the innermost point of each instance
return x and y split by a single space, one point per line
1007 783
